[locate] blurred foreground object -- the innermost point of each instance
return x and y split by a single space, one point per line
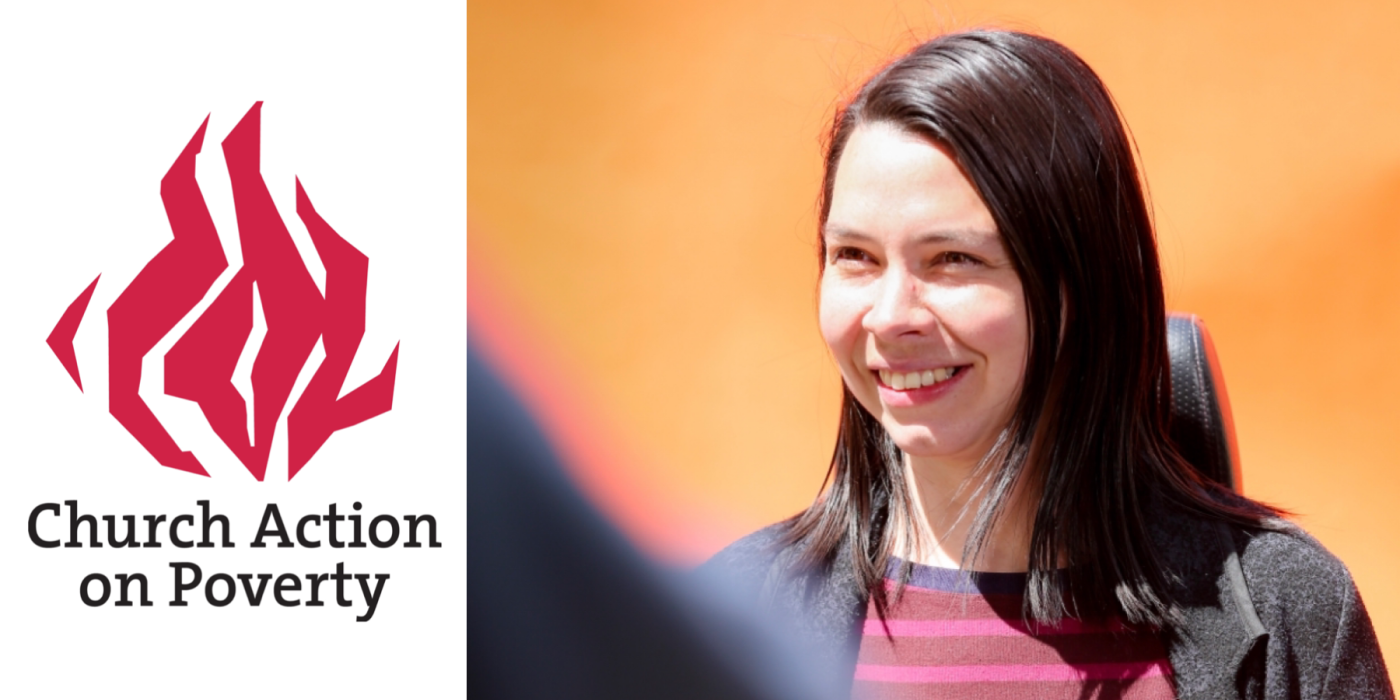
560 606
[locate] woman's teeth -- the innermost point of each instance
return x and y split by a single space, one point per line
914 380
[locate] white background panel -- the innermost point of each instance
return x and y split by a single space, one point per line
368 107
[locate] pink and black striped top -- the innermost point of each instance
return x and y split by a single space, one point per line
956 635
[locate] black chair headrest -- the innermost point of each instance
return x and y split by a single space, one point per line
1201 425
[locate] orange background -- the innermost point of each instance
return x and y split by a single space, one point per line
641 193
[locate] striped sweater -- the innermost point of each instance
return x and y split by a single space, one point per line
961 635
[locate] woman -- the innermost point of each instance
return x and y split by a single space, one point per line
1005 515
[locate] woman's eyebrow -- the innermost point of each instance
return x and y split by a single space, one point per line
841 233
965 237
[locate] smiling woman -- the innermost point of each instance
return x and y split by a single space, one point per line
1006 514
920 302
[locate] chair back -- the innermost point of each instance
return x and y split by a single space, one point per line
1201 425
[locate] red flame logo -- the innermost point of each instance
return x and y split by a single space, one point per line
201 365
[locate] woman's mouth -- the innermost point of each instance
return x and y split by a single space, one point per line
906 389
908 381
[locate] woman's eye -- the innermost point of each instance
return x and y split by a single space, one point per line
852 254
956 258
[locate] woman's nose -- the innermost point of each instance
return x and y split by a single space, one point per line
899 307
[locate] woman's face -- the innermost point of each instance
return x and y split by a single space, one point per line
920 303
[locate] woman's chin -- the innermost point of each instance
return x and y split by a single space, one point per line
921 443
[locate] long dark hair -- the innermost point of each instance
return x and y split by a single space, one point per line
1038 135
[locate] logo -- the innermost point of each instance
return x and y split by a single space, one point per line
241 357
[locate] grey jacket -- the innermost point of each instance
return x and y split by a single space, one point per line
1268 613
